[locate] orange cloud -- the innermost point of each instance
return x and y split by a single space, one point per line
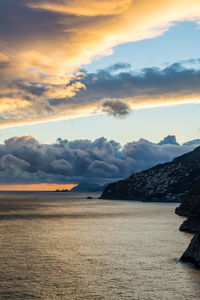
3 58
41 64
36 187
12 104
65 91
83 7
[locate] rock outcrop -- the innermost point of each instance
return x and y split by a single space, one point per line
164 182
192 254
190 201
190 207
192 224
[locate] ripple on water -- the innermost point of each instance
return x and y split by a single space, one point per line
60 248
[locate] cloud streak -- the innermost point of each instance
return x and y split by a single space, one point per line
23 160
87 8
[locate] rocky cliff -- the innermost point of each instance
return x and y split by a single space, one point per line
192 254
164 182
190 201
190 207
178 180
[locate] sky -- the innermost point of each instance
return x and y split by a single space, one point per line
83 70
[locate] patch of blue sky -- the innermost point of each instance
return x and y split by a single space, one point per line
180 43
152 124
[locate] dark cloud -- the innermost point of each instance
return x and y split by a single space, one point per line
170 139
123 90
31 88
116 108
9 163
19 23
25 160
114 90
149 83
118 67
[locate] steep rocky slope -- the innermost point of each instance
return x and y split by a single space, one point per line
190 207
164 182
190 201
192 254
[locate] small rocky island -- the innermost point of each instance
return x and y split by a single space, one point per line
176 181
62 191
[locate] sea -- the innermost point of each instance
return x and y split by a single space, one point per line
64 246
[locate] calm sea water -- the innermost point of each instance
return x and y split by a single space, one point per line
54 246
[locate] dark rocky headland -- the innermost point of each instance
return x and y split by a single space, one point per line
176 181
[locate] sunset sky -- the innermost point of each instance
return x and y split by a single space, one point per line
86 69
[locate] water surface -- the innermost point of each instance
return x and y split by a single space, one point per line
58 246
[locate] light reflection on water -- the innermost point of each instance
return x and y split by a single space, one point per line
58 247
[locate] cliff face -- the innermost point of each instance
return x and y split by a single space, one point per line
190 201
192 224
192 254
164 182
190 207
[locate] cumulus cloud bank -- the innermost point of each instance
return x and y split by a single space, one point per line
23 160
43 44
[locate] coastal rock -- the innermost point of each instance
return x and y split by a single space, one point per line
189 202
192 254
164 182
190 207
192 224
184 209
